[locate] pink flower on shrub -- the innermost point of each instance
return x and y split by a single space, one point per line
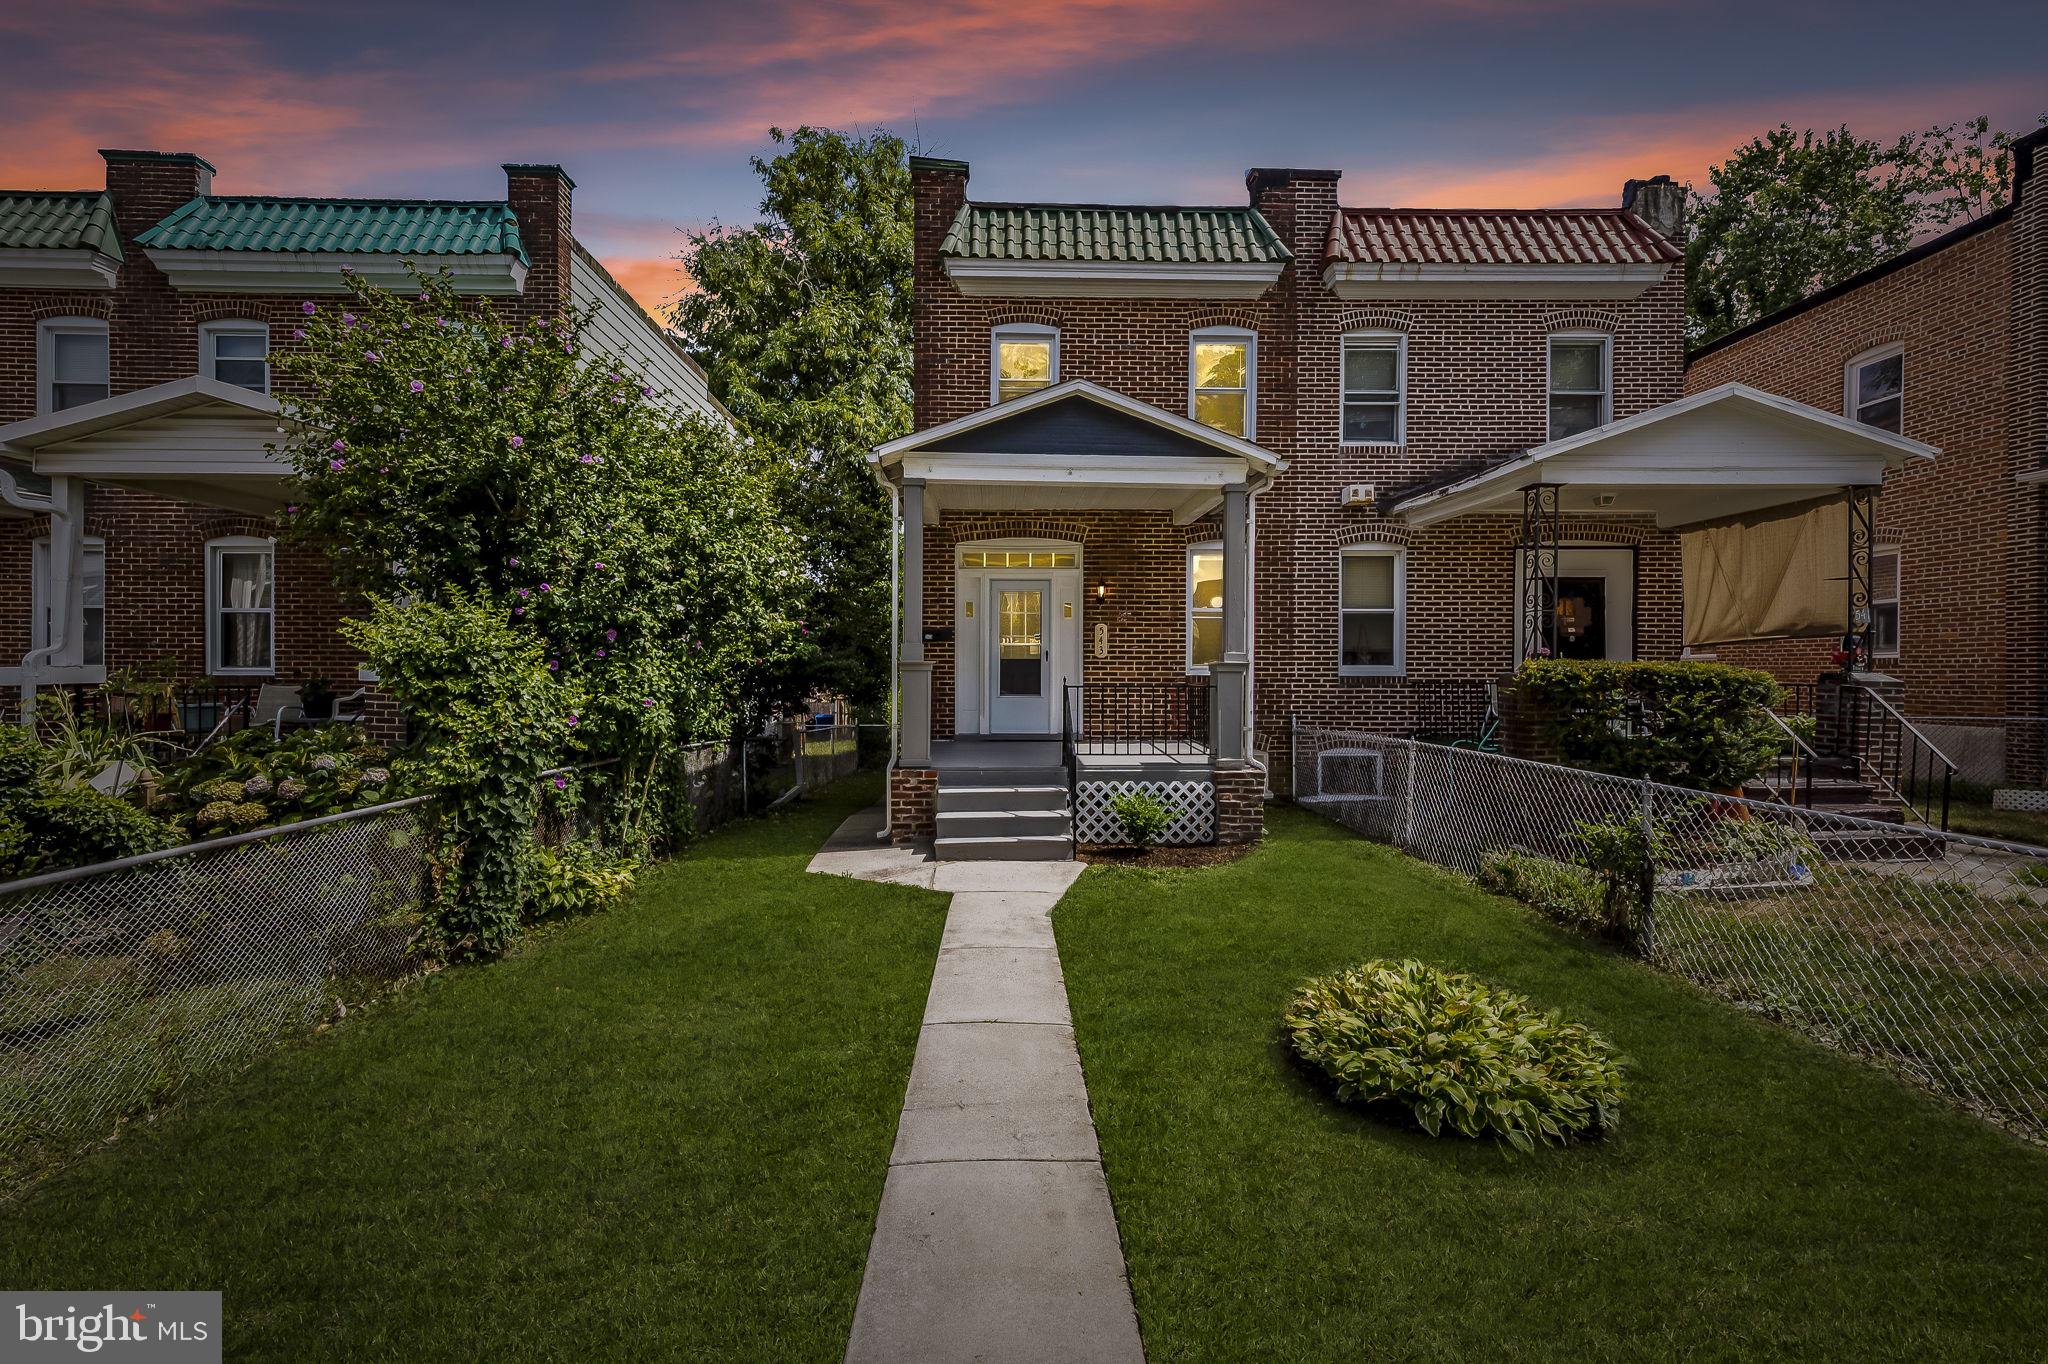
599 564
348 319
600 653
337 465
307 308
561 783
573 722
545 588
417 387
518 442
584 459
646 392
523 593
646 700
298 333
423 296
611 636
348 269
518 610
339 445
370 355
554 665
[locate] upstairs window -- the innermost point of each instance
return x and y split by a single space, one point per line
236 353
1874 389
71 363
1375 372
241 606
1372 629
1205 605
1023 360
1222 366
1579 397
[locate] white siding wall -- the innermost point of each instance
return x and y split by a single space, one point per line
620 328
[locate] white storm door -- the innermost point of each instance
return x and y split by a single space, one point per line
1019 664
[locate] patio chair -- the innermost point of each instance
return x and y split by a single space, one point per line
295 714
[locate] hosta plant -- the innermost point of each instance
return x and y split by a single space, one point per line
1458 1054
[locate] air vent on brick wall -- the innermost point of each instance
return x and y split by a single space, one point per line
1360 494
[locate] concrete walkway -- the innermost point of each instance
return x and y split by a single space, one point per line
995 1240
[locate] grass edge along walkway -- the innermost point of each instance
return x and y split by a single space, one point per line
1765 1197
658 1132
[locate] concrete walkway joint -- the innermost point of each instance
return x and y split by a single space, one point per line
995 1240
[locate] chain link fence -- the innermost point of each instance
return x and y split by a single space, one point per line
1924 951
121 981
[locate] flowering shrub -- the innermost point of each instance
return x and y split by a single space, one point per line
439 447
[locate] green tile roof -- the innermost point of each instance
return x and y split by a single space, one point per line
61 219
412 227
1109 232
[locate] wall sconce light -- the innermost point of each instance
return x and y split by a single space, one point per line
1101 590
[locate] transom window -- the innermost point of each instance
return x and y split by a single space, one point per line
1884 603
1205 605
1222 367
241 606
1023 359
1375 370
1579 382
1875 389
236 353
1016 558
1371 608
71 362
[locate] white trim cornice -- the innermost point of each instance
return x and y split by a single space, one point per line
125 409
297 272
1377 280
44 267
1111 279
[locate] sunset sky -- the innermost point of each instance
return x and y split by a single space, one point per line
655 107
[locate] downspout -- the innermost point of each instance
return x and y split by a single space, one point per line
895 634
1251 639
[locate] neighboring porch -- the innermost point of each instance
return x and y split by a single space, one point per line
1046 637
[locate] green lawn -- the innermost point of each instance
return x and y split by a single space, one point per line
1765 1198
658 1133
2015 826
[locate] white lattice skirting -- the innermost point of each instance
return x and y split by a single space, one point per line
1195 802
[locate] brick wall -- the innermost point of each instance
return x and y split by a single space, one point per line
1953 520
913 803
1476 390
156 554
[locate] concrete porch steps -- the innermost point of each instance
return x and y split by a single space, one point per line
1012 814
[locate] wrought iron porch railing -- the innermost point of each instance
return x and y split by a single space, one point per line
1120 719
1892 753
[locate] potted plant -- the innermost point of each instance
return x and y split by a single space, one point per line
316 698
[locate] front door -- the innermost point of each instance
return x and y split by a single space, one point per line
1019 678
1581 617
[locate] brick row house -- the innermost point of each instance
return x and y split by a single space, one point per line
137 326
1946 343
1182 474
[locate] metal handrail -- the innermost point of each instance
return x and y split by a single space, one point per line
1902 789
1799 746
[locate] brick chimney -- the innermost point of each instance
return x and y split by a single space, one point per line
541 199
1299 205
148 186
1659 202
938 191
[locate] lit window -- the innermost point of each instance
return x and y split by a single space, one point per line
1023 360
241 625
1016 558
1578 384
1205 605
1221 366
1884 603
1374 370
236 353
1875 389
72 363
92 588
1371 629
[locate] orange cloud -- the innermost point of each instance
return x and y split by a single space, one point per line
655 284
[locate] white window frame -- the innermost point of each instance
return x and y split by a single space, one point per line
1896 601
1019 331
47 331
1606 341
1379 340
1250 339
209 332
1850 405
237 544
39 594
1399 667
1187 601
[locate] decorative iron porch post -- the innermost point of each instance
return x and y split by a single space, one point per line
1856 643
1541 546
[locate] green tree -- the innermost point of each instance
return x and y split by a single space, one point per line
1961 170
440 449
802 322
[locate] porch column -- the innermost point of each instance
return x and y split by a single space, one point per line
1862 514
1227 676
913 674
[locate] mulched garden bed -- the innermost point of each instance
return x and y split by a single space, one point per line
1209 855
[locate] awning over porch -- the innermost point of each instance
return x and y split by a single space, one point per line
1728 451
1074 445
195 438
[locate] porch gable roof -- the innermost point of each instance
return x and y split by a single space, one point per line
1726 450
1081 419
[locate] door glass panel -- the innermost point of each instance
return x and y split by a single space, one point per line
1020 644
